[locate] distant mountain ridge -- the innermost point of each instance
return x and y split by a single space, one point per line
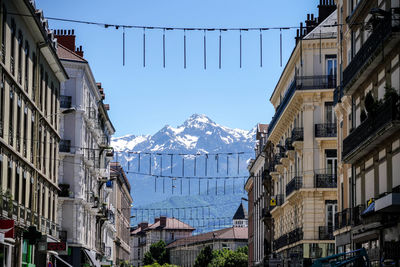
198 134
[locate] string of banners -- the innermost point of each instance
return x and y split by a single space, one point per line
185 34
189 173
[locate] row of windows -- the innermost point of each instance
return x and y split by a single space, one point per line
17 183
20 133
25 70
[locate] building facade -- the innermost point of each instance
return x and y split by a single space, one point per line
31 75
121 202
183 252
84 208
303 135
250 196
257 202
367 111
163 228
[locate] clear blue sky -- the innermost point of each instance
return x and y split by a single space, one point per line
143 100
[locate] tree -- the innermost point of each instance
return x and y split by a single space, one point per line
204 258
148 259
229 258
157 254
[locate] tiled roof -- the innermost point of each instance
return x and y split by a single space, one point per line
262 128
171 224
241 213
66 54
233 233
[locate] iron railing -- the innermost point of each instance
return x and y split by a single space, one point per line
3 53
357 210
384 115
295 235
302 83
337 95
368 50
65 146
325 233
324 180
280 242
289 144
65 101
295 184
297 134
326 130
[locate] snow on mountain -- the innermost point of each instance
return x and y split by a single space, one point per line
198 134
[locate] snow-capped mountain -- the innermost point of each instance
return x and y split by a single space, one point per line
197 134
202 174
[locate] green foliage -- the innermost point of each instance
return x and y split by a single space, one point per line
157 254
204 258
148 259
222 258
244 250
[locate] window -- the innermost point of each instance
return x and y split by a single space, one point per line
9 173
33 77
330 115
46 83
331 209
25 135
3 35
44 156
2 102
11 117
20 48
331 162
31 193
26 65
43 201
1 168
17 177
32 133
52 112
12 46
23 191
18 126
41 88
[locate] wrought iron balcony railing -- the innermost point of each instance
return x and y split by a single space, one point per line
325 130
324 180
368 50
302 83
280 242
65 146
343 219
295 235
367 132
325 233
297 134
65 101
295 184
288 144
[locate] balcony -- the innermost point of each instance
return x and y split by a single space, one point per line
337 95
302 83
280 242
388 203
343 219
369 55
325 233
289 144
295 235
357 210
325 130
65 190
297 134
65 146
295 184
375 129
65 101
324 180
265 176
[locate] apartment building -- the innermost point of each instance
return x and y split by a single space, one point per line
250 196
31 75
257 202
163 228
84 210
121 202
367 111
303 134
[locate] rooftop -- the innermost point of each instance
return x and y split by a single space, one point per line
233 233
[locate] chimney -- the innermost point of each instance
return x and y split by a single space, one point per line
163 221
156 220
79 51
325 8
66 38
143 225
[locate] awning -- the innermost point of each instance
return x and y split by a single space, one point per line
63 261
371 208
92 257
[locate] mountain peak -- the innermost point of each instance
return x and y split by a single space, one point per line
197 119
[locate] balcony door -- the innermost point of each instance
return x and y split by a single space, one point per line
331 209
331 166
331 70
